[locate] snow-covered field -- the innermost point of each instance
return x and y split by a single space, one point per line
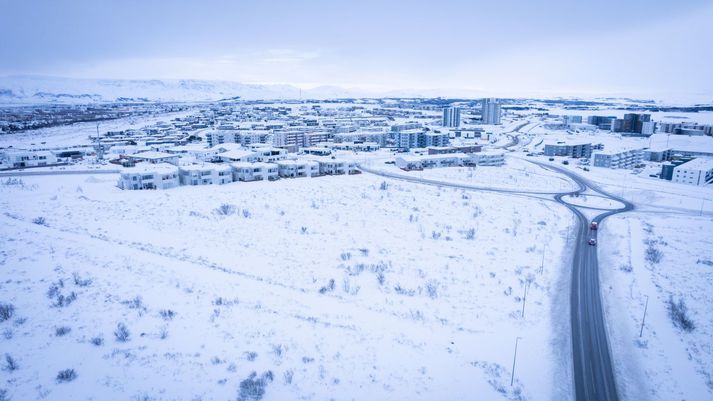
662 257
515 174
326 288
78 134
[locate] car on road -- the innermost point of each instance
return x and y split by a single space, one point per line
594 225
552 159
592 241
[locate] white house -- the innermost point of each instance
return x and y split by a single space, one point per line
698 171
237 155
334 166
193 151
154 157
149 176
18 158
269 154
487 158
430 161
297 168
243 171
206 174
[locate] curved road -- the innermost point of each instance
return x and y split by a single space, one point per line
592 365
593 370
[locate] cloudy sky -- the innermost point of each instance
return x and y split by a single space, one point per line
553 47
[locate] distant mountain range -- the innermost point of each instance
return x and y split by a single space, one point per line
40 89
47 89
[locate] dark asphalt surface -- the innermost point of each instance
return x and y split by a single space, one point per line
592 364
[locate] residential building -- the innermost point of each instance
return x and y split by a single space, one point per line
451 117
406 127
206 174
329 166
633 123
603 122
490 111
297 168
420 162
360 136
149 176
258 171
488 158
19 158
574 149
454 149
698 171
625 159
237 155
154 157
568 120
420 139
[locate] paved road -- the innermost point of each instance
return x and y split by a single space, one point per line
592 365
593 370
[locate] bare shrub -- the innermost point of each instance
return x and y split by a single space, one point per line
80 282
653 254
384 186
432 289
40 221
328 288
253 388
97 341
122 333
61 331
6 311
678 312
251 356
225 209
66 375
470 234
167 314
10 364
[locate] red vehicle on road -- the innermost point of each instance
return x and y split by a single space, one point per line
594 225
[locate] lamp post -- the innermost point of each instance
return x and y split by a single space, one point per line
512 376
641 332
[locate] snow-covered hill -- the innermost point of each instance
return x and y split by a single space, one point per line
35 89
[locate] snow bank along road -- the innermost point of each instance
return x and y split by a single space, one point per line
593 371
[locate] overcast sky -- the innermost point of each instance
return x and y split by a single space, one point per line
631 47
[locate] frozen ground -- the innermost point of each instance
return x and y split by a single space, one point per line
78 134
664 257
515 174
330 288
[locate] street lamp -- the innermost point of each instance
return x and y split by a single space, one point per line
512 376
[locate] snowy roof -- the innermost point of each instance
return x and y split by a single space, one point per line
206 166
253 165
444 156
236 154
699 163
691 143
152 155
159 168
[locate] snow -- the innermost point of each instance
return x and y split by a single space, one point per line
442 324
665 363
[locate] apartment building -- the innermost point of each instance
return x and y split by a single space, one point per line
698 171
572 149
149 176
206 174
624 159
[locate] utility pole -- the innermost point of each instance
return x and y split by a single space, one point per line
542 265
524 297
512 376
641 332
